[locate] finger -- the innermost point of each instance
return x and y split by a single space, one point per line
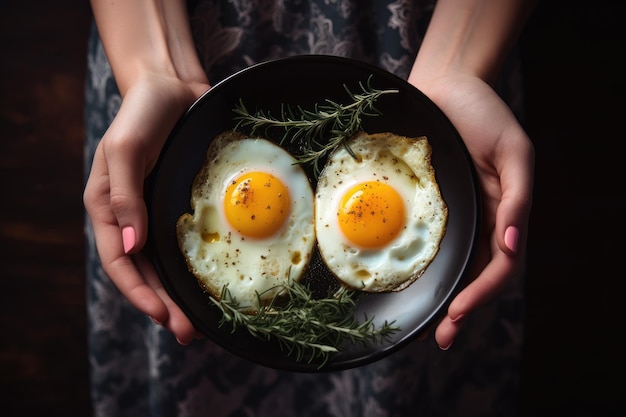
177 322
485 287
447 330
500 266
479 292
132 145
127 173
122 270
516 179
452 322
119 267
130 281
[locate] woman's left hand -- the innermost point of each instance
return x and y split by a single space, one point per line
503 156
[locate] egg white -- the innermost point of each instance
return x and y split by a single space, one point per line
405 165
216 253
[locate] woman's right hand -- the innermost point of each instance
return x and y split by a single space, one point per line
114 193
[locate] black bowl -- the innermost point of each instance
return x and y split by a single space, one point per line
305 81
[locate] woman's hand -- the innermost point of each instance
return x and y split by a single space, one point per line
114 194
504 159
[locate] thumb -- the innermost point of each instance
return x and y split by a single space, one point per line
516 179
129 161
127 202
121 269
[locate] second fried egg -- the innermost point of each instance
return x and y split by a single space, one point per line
251 229
380 216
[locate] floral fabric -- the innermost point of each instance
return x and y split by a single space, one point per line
138 369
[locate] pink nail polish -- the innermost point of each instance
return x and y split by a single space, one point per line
511 237
128 238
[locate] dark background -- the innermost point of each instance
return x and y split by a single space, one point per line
574 68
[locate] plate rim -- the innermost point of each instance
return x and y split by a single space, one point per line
289 363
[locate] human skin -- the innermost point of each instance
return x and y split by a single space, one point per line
151 51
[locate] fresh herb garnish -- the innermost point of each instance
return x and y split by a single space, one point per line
307 327
317 131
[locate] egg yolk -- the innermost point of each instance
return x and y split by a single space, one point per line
257 204
371 214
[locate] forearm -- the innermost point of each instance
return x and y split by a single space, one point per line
469 36
147 36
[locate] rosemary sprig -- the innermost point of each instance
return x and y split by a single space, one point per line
304 326
317 131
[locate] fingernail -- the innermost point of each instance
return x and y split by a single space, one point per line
446 347
128 238
156 321
511 237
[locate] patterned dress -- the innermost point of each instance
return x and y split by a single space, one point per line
138 368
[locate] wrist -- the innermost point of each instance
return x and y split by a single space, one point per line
470 38
146 39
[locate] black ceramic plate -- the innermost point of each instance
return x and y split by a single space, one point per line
304 81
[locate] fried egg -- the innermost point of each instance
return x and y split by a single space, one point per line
379 213
251 229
